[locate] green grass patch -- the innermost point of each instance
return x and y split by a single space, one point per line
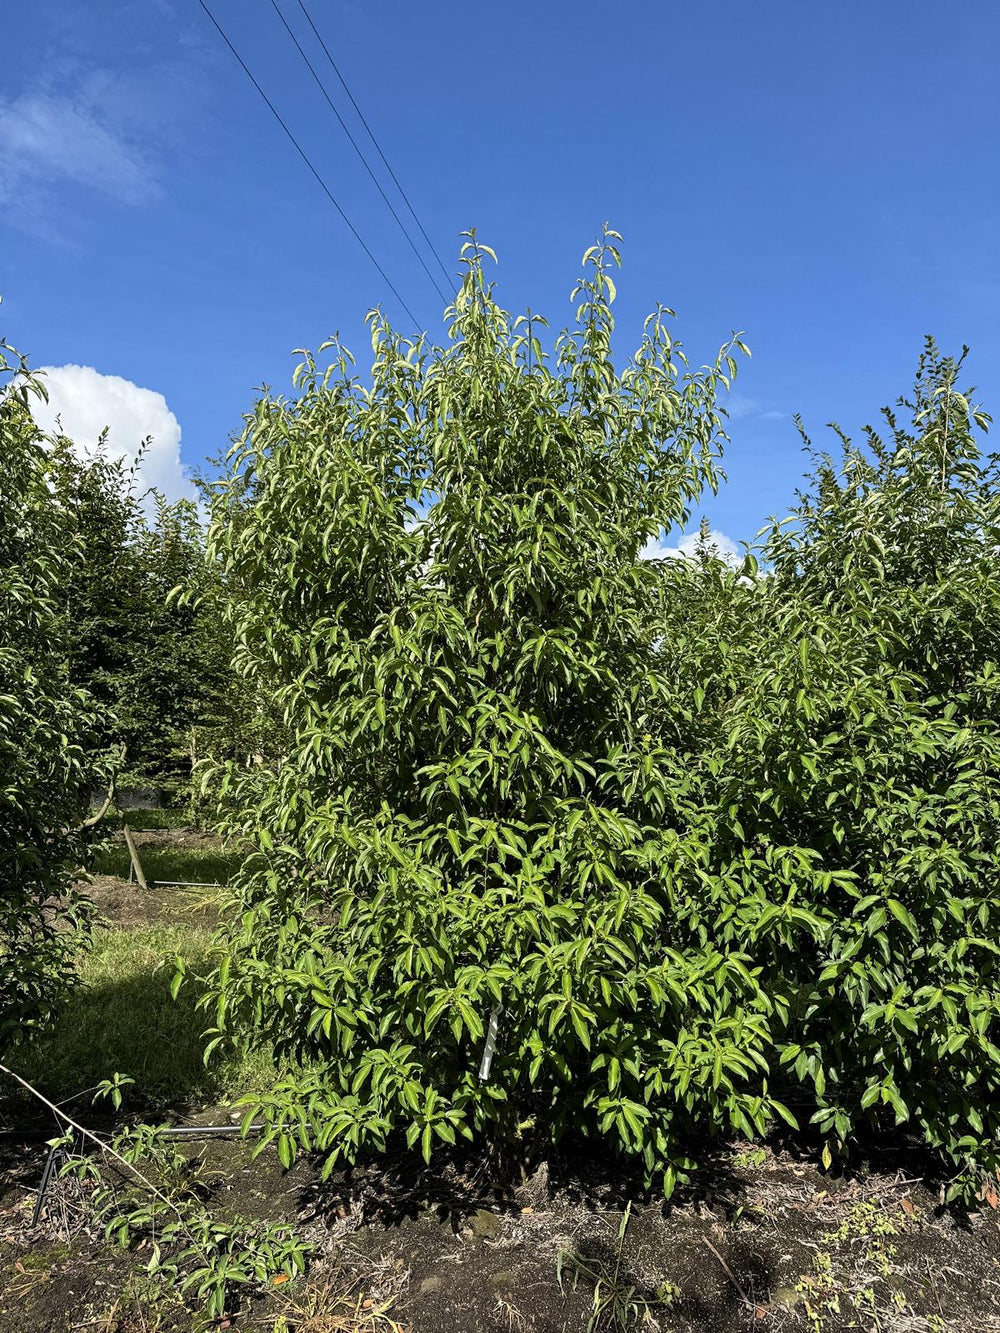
124 1020
199 865
150 819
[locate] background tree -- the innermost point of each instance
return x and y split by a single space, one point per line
153 662
45 724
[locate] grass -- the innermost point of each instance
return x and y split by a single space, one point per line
334 1304
150 819
618 1302
201 865
124 1020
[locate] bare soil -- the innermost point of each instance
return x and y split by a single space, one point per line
766 1243
126 905
129 906
765 1240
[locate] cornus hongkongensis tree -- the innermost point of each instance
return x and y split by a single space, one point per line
863 760
563 840
481 824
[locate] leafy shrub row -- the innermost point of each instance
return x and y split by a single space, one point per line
561 839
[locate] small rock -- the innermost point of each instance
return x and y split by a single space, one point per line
484 1225
786 1296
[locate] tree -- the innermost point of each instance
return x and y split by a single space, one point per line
862 763
562 839
44 722
460 913
154 662
180 688
101 590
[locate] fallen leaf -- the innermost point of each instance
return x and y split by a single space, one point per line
907 1207
19 1266
527 1210
760 1312
277 1281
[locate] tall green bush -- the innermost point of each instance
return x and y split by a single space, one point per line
466 909
43 721
562 839
849 779
863 759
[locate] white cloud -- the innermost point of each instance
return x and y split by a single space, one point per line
740 408
85 402
49 139
721 545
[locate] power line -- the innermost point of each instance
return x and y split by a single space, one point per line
305 158
449 278
343 125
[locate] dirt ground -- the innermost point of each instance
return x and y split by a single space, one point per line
764 1240
126 905
129 906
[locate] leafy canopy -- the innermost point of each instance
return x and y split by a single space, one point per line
870 740
561 839
435 577
43 722
155 665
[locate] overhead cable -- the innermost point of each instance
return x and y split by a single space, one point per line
306 159
354 143
448 277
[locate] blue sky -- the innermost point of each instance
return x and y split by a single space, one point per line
824 177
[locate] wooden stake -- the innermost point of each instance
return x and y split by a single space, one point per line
133 852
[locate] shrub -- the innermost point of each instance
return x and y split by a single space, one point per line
862 757
472 902
568 840
43 779
849 762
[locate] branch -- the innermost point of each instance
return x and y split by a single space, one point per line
728 1272
108 803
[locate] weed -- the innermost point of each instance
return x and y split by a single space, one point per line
751 1158
868 1287
869 1220
333 1305
20 1280
617 1302
510 1315
819 1292
158 1205
142 1306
